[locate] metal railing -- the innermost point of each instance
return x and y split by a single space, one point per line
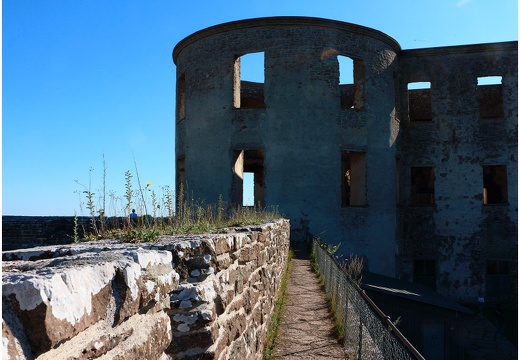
369 333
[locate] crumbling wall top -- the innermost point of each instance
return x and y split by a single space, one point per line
498 47
284 21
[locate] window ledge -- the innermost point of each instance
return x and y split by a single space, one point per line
250 108
353 109
420 121
492 119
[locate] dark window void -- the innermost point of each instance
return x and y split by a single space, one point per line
424 273
181 98
498 281
353 178
496 267
422 185
419 101
249 81
397 181
251 164
180 180
351 82
495 184
490 97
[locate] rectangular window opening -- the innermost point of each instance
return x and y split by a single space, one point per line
181 98
422 185
498 280
353 178
490 97
248 192
180 181
397 181
249 81
248 181
496 267
419 101
351 82
424 273
495 184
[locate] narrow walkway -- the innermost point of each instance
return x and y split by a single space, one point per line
306 329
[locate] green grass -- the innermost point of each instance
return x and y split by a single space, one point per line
195 220
339 329
162 212
272 331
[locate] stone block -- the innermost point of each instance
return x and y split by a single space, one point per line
222 244
235 326
223 261
14 346
246 255
190 343
240 240
55 299
238 350
194 293
192 320
142 336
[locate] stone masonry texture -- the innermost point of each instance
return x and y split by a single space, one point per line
20 232
184 297
341 160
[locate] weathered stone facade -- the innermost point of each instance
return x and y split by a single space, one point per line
461 233
184 297
394 174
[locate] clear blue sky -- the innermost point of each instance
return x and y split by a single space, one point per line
87 78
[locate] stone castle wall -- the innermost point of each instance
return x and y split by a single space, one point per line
413 165
293 140
20 232
185 297
459 233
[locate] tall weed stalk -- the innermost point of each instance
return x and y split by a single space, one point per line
183 214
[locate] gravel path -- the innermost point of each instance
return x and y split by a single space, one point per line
306 328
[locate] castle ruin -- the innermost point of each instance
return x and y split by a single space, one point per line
411 164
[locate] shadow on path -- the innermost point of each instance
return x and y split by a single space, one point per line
301 250
483 342
306 327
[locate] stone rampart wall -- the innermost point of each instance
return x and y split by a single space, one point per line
185 297
20 232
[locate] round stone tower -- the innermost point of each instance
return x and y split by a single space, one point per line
319 146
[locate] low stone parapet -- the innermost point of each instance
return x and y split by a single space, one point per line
186 297
52 300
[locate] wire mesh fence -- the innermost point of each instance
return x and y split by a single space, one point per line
368 333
